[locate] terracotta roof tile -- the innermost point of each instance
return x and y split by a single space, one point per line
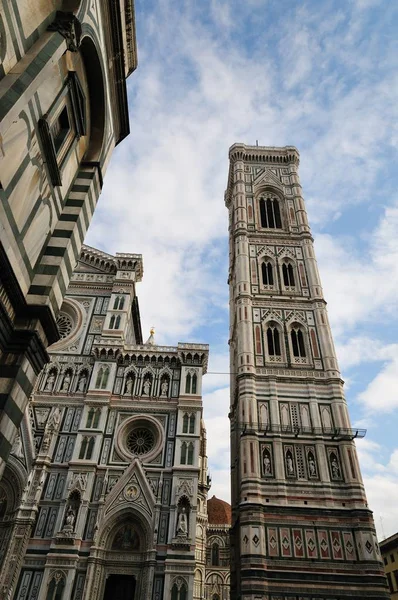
218 512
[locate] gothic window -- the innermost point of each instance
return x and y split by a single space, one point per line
194 383
114 323
270 215
298 345
273 340
288 274
119 303
179 592
56 587
183 457
267 274
190 454
188 384
102 378
192 423
86 448
93 417
185 422
215 555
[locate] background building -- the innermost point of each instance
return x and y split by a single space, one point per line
63 108
301 526
389 552
100 496
218 557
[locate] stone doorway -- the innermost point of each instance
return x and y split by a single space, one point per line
120 587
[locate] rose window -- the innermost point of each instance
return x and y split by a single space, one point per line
140 440
64 324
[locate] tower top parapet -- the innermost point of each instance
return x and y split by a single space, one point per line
272 154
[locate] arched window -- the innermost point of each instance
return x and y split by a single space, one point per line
185 423
83 448
270 215
194 383
188 384
119 303
97 414
90 417
100 374
56 587
190 454
288 274
116 303
183 458
298 345
90 448
117 322
273 341
267 273
215 555
112 322
192 423
179 592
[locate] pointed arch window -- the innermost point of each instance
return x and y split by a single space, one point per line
90 417
185 421
188 384
267 273
288 274
102 378
119 303
194 383
56 587
190 454
298 344
114 322
270 215
192 423
179 592
215 555
183 457
273 340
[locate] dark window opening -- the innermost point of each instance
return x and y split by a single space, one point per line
270 215
267 274
60 128
298 342
215 555
288 275
274 347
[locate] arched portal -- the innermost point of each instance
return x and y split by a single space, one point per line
123 558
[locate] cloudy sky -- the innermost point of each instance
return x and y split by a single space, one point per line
320 75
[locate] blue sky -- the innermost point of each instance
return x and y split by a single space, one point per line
318 75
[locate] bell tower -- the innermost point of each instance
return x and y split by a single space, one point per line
301 526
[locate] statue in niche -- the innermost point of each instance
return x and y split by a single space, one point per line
336 473
182 522
267 462
146 387
311 465
66 382
128 388
69 519
289 463
17 449
164 388
81 384
50 382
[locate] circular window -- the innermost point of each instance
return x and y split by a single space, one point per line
64 324
140 440
140 436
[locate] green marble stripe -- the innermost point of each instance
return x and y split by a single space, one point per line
5 447
11 409
68 217
74 203
62 233
19 87
55 251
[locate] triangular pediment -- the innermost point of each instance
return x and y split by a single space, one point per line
267 177
132 490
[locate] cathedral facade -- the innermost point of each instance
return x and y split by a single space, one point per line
63 108
301 526
105 490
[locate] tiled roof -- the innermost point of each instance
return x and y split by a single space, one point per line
218 512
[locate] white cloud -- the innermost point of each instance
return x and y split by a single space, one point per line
381 395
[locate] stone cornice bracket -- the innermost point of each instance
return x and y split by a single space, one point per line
69 27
